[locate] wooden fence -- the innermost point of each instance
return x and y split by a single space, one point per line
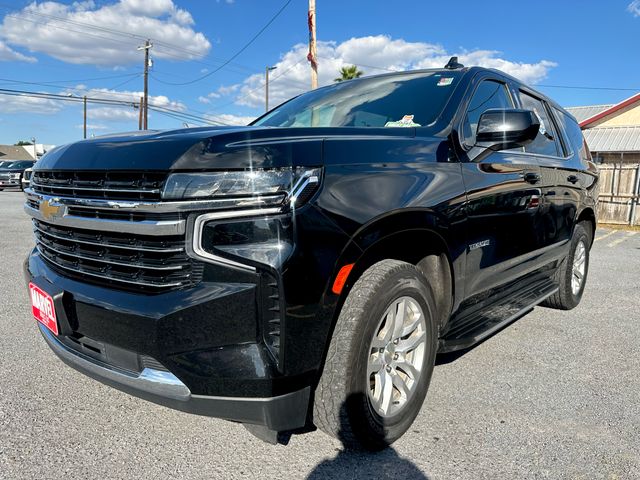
619 194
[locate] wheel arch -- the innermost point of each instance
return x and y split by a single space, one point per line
588 215
418 237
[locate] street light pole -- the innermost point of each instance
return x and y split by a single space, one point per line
266 86
35 148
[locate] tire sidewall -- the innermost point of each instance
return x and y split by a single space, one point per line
579 234
361 413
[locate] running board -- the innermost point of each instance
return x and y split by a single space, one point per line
468 330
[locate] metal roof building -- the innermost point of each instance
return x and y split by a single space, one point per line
612 131
14 152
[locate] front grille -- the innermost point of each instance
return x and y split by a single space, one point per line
100 184
126 261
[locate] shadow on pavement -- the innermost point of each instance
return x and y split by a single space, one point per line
379 465
358 463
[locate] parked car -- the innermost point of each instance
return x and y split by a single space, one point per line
26 177
11 173
307 269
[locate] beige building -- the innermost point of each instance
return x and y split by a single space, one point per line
612 131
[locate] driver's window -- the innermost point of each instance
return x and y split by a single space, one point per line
489 94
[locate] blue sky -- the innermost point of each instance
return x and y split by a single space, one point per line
89 48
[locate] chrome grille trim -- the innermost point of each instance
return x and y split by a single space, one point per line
102 277
91 189
142 227
158 207
112 262
111 245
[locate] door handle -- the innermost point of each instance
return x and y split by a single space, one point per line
531 177
573 179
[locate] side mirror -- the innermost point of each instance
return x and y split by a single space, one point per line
502 129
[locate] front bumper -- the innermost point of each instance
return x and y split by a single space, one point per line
204 339
284 412
9 183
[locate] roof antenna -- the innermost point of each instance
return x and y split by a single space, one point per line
453 64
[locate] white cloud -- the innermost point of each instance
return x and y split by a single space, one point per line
92 126
68 39
229 119
634 8
374 55
23 104
7 54
124 95
112 114
208 98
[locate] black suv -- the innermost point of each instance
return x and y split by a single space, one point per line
307 269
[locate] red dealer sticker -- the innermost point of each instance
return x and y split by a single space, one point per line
42 308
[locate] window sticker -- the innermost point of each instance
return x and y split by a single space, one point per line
406 121
445 81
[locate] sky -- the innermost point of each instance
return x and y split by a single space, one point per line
209 57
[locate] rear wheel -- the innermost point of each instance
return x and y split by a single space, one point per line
380 359
572 273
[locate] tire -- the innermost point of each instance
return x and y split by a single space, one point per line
344 406
567 297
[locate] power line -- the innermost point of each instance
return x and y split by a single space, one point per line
100 101
8 81
576 87
260 87
235 55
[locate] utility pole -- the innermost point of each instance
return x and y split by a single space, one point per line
84 101
35 148
266 87
312 56
140 106
146 47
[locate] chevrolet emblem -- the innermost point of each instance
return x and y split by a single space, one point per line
50 210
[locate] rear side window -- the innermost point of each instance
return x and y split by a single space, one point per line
574 135
489 94
546 143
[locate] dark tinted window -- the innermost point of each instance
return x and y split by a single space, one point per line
573 133
546 141
23 164
369 102
489 94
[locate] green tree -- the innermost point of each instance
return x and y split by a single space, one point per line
348 72
22 143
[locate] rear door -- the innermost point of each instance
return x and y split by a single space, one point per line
559 183
504 195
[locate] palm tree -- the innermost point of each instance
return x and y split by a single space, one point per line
348 73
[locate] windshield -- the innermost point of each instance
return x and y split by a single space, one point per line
20 164
401 100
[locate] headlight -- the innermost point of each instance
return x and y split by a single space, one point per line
276 184
15 176
265 240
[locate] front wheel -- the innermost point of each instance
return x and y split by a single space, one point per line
380 358
572 272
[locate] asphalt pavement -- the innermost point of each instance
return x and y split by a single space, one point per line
554 395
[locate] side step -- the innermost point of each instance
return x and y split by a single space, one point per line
469 329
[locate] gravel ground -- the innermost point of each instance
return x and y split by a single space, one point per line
554 395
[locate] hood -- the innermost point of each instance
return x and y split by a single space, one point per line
208 148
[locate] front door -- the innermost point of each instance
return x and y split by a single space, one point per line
504 199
